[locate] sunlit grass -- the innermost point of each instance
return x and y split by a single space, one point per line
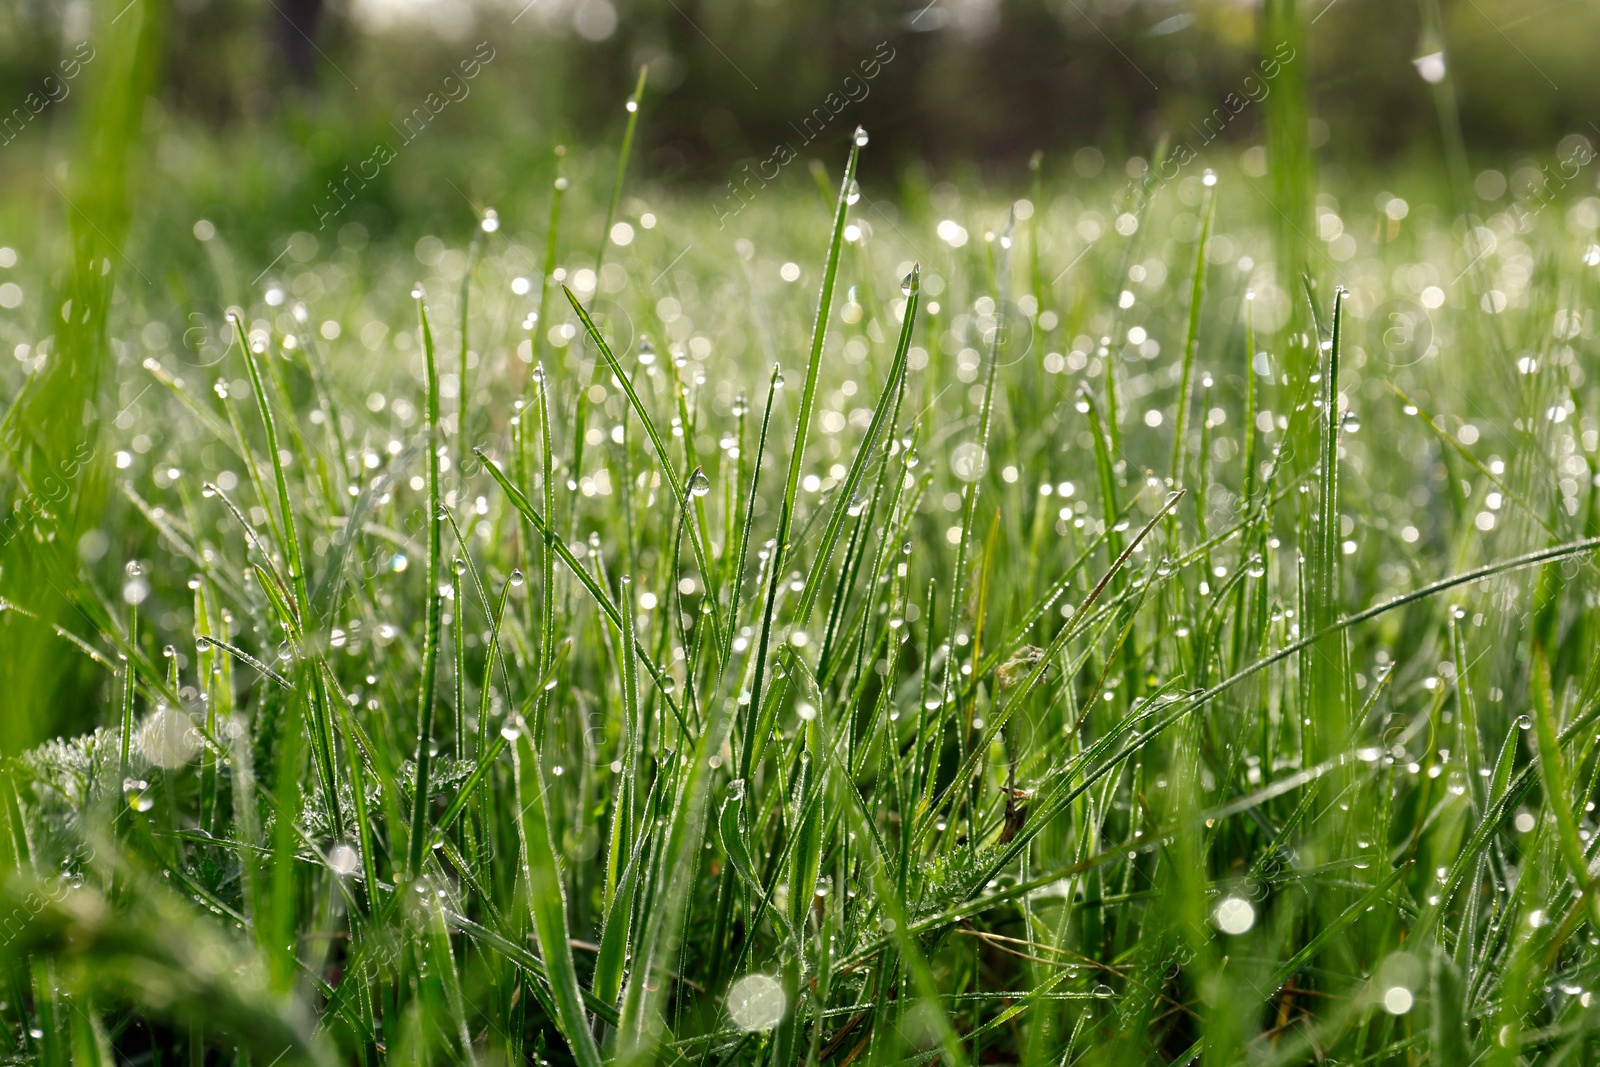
924 623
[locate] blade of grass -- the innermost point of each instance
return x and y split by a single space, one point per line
548 904
808 396
430 634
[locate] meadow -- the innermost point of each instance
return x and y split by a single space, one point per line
904 623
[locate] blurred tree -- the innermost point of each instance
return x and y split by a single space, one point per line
296 31
969 80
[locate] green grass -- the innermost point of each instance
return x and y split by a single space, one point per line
843 638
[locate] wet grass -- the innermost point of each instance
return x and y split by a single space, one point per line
913 625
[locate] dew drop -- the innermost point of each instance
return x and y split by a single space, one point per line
343 860
968 461
1234 915
756 1002
1431 67
140 797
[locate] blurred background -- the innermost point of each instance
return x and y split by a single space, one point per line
161 160
284 95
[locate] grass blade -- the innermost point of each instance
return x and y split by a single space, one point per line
430 635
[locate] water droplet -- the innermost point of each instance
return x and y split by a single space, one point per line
756 1002
343 860
517 577
1234 915
699 484
909 283
1431 67
861 136
852 192
140 797
968 461
1397 1000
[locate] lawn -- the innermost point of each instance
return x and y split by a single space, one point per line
883 624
